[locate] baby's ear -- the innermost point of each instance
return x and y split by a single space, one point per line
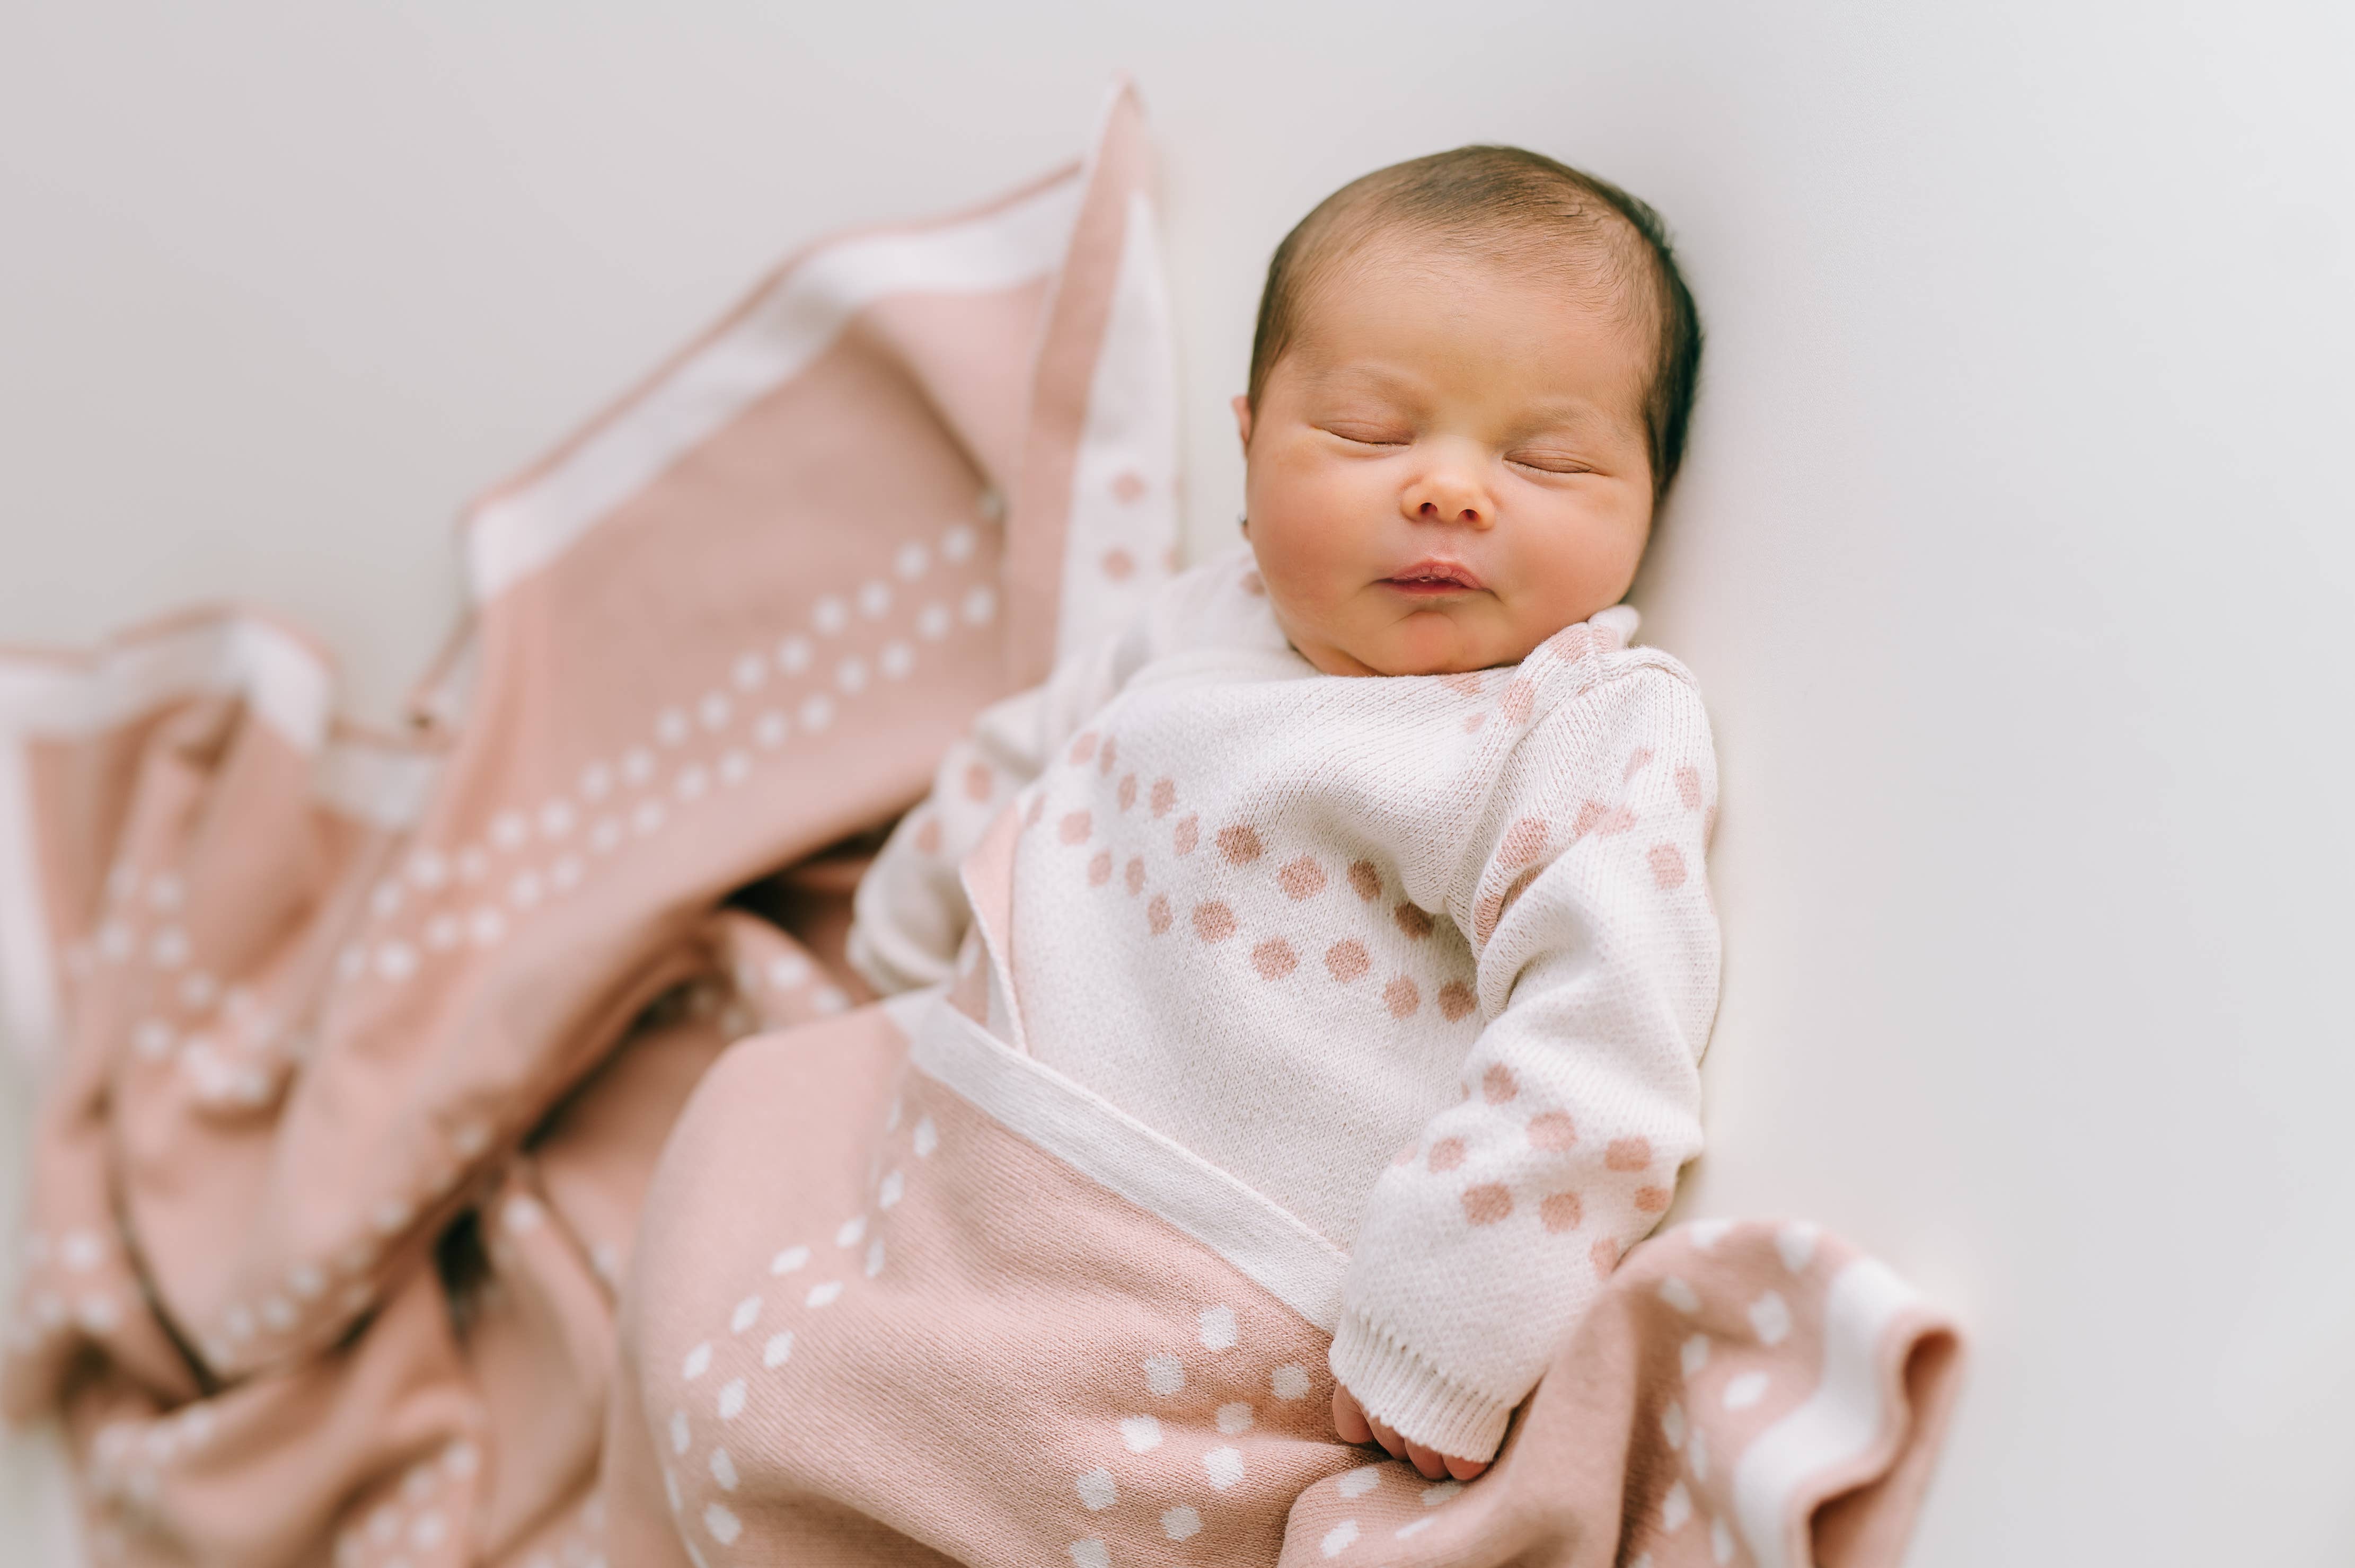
1242 418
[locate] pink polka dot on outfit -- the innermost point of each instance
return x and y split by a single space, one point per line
1486 1204
1073 828
1346 959
1416 923
1213 921
1552 1130
1157 913
1652 1200
1497 1084
1688 787
1118 564
1560 1212
1365 880
1273 958
1402 996
1083 748
1456 1000
1627 1154
1128 795
1164 795
1133 874
1301 878
978 781
1182 837
1100 868
1643 755
1447 1154
1524 840
1668 864
1239 841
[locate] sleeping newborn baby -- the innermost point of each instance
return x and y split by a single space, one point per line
1368 865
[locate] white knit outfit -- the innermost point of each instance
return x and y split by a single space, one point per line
1429 960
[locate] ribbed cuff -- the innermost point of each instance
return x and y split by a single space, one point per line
1403 1392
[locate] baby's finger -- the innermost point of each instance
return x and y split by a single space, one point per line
1388 1439
1433 1466
1465 1470
1348 1420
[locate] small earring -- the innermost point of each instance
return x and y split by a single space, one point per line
1243 521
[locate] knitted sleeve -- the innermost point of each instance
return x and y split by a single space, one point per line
1583 893
910 915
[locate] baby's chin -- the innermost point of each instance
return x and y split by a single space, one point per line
1429 644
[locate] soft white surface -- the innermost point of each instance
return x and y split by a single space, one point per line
2015 553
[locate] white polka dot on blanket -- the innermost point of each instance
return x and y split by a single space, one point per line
697 1361
852 1229
1217 1328
1289 1382
779 1348
911 560
1180 1522
830 615
723 1524
1165 1376
1745 1391
933 622
731 1402
747 1313
1357 1483
679 1435
1090 1553
1679 1295
824 1295
927 1138
1676 1508
1140 1434
1435 1495
1235 1418
723 1470
1097 1490
1770 1318
874 1257
888 1194
1337 1540
792 1258
1694 1355
1224 1467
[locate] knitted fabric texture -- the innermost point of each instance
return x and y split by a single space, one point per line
1428 960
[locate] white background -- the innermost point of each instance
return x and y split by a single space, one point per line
2014 553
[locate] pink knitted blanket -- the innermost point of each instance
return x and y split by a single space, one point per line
361 1050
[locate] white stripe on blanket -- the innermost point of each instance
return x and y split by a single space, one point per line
786 329
1101 1142
1838 1423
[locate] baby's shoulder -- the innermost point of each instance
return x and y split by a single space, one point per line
1597 665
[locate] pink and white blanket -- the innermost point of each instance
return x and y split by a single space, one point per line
398 1088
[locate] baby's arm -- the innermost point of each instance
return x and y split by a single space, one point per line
909 914
1584 896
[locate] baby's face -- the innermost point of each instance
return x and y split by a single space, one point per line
1448 465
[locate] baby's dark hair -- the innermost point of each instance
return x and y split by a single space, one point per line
1513 204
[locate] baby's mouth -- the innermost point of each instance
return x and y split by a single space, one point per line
1433 579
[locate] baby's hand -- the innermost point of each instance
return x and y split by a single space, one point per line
1355 1427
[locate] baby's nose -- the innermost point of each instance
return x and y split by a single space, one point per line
1432 512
